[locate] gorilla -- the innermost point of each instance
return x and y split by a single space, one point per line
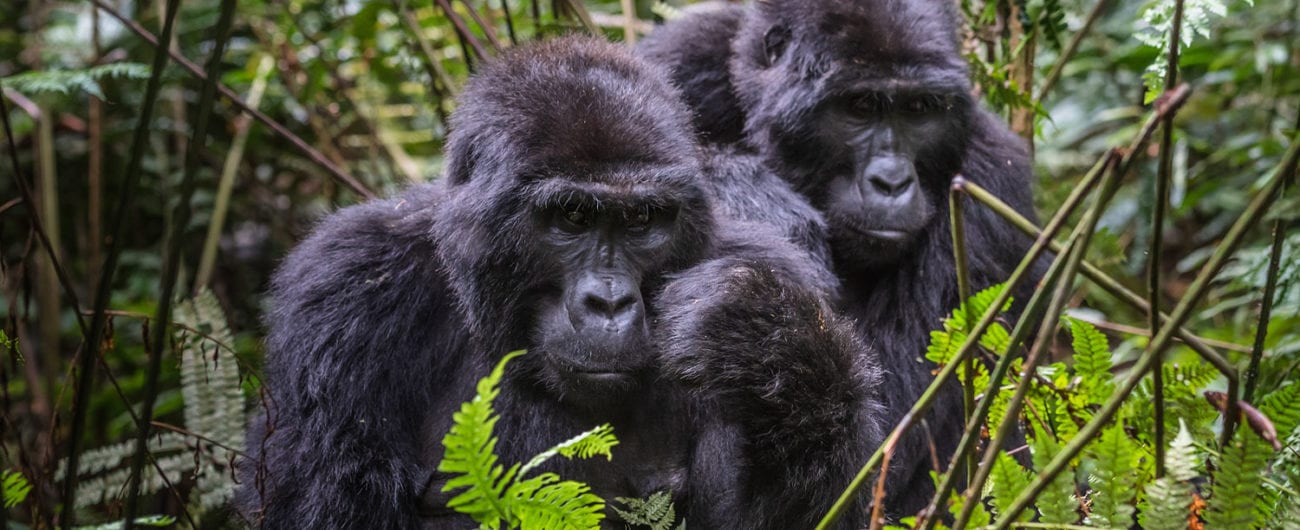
575 220
864 107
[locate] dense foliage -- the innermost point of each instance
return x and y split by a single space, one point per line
101 171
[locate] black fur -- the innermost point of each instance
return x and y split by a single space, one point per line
745 396
791 67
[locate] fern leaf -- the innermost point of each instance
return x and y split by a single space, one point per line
1006 480
656 511
1057 502
15 487
1283 407
545 502
1168 499
1092 361
70 81
470 454
598 441
1113 480
1238 483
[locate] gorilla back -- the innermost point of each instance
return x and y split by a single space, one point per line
570 194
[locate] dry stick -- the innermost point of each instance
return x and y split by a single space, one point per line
922 404
1266 307
510 22
1161 201
462 30
1110 285
1097 10
226 182
487 28
172 255
957 223
280 130
1078 245
1020 333
1143 332
35 219
1258 206
92 341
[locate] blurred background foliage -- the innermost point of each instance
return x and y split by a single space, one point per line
367 87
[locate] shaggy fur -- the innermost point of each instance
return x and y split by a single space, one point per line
787 61
386 316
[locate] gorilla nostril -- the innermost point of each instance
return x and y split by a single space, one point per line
609 307
890 186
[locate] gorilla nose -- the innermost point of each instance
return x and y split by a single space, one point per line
890 177
609 303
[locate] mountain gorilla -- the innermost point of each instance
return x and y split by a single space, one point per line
572 221
864 107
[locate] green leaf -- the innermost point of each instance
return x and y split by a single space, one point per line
1113 479
1092 361
1282 406
546 502
1057 502
1006 480
16 488
656 511
1238 483
1168 499
470 454
597 441
69 81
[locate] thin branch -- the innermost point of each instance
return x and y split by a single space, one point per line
1266 305
172 252
462 30
1070 49
957 223
301 145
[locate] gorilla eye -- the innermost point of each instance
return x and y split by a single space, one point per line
638 222
572 220
917 106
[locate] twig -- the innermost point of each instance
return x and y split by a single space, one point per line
1160 204
179 430
956 222
280 130
467 38
1142 332
172 252
1068 53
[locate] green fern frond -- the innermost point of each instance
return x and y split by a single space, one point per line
1159 19
1283 407
655 512
1238 483
15 487
598 441
1006 480
1113 480
545 502
945 343
1167 499
1092 362
470 454
69 81
158 521
1057 502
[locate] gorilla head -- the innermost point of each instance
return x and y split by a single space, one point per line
865 106
567 205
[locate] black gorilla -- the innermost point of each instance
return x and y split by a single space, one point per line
864 107
573 221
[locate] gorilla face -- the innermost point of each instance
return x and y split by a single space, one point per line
865 108
567 207
611 246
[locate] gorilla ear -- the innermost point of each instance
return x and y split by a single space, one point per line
774 43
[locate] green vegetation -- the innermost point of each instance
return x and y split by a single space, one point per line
325 102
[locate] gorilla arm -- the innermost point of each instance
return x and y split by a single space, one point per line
358 343
792 388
